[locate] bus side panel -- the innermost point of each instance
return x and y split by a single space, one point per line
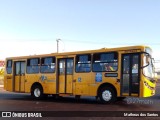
49 84
30 80
97 82
47 81
49 88
88 83
8 82
82 83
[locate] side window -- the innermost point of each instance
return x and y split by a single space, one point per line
33 65
105 62
48 65
126 62
69 66
135 64
83 63
9 67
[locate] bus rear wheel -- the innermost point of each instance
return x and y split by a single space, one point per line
107 95
37 92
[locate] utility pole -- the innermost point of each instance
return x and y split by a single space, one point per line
58 45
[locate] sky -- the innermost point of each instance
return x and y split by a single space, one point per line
30 27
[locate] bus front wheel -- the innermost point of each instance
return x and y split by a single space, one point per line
37 92
107 95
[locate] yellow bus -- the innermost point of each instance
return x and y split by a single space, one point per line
107 73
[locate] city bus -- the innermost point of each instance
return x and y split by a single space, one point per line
107 73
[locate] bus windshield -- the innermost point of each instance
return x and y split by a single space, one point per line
148 70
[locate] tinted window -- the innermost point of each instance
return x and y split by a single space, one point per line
103 62
9 67
34 62
48 65
69 66
33 65
83 63
18 70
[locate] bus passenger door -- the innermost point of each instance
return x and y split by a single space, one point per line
65 75
130 77
19 76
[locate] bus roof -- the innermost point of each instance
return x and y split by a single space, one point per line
81 52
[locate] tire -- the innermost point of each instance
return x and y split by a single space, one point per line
107 95
37 92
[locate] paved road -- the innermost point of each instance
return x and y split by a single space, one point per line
23 102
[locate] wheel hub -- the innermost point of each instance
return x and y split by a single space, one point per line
37 92
106 95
